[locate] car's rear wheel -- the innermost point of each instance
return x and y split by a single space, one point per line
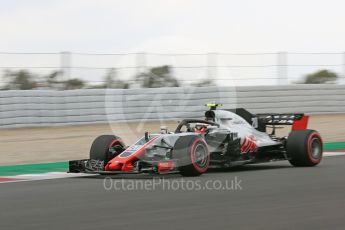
106 147
305 148
192 154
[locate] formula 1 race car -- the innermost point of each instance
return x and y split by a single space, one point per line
225 138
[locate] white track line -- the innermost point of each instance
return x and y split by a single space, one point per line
44 176
333 154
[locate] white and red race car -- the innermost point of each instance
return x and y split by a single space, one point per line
224 138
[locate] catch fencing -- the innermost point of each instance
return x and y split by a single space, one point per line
277 68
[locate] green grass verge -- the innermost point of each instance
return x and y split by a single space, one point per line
12 170
334 146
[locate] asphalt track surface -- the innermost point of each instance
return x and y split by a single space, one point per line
273 196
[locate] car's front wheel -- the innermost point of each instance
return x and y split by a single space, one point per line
106 147
192 154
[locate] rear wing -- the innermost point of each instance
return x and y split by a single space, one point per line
298 121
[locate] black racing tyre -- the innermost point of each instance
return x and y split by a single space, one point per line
304 147
106 147
192 155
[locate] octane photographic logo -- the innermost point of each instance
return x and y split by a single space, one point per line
132 112
181 184
135 111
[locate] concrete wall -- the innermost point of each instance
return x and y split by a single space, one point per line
47 108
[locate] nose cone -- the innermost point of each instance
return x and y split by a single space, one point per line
113 166
119 166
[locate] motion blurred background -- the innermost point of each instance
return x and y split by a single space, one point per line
67 67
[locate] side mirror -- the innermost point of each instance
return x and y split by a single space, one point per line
164 130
